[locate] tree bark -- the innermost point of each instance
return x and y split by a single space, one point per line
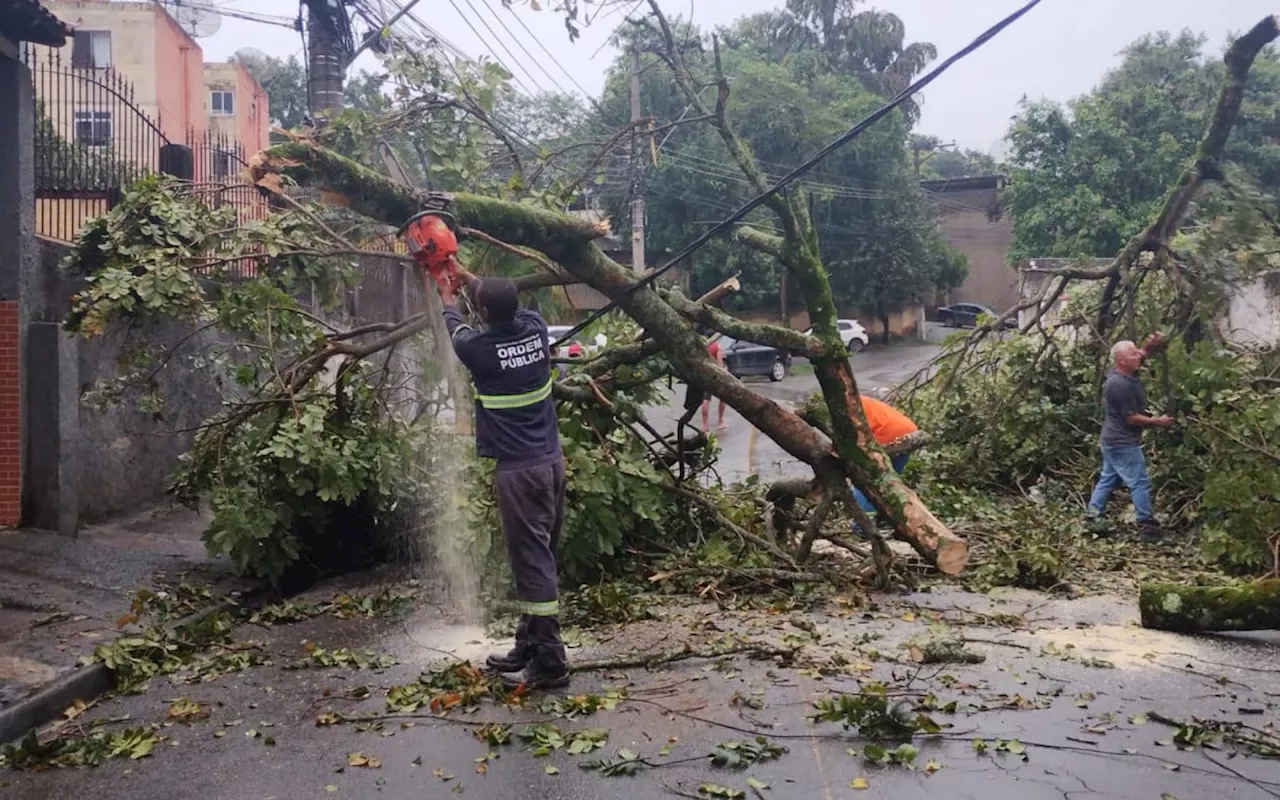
569 243
861 459
1199 609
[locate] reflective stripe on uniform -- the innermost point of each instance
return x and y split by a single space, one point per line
547 609
503 401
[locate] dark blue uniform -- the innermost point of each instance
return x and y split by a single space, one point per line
510 365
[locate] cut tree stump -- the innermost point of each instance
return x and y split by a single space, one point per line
1200 609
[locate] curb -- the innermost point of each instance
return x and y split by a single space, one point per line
90 681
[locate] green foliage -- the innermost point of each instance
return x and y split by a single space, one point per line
625 762
613 602
736 754
342 657
284 478
84 751
1086 177
285 81
874 715
456 685
1023 413
798 77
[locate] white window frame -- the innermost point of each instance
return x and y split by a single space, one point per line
223 96
99 43
100 128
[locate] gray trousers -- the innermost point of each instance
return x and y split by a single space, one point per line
531 505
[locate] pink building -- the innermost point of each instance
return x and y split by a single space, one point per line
165 66
130 82
236 105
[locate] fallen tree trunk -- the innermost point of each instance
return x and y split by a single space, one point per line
569 243
1200 609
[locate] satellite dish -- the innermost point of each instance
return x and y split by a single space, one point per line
198 21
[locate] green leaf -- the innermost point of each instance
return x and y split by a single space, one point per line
716 790
757 784
551 769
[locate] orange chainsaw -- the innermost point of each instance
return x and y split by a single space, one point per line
432 238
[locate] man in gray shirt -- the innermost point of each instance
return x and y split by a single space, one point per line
1126 416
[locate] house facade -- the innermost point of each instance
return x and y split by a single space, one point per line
236 105
967 216
124 99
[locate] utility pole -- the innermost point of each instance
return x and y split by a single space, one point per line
918 146
326 68
637 181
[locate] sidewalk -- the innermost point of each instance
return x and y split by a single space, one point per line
59 597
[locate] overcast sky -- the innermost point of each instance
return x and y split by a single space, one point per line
1058 51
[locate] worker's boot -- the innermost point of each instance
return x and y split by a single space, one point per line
1150 531
546 668
515 659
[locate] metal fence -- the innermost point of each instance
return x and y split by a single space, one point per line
93 139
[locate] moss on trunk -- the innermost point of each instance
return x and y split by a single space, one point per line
1198 609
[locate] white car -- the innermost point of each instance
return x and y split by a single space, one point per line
852 334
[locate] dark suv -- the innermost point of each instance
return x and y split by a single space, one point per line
965 315
746 358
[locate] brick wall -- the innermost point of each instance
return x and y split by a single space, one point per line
10 409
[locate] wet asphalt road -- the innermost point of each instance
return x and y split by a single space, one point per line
1079 723
744 451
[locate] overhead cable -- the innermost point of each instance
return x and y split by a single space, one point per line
813 161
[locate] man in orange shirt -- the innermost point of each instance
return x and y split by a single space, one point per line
888 424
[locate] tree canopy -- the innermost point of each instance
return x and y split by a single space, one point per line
797 78
1086 175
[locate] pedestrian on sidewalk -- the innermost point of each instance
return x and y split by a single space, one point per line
1125 417
888 425
717 353
510 364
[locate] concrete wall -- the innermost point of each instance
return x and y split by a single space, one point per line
119 458
904 323
110 459
249 124
964 216
1251 319
1253 312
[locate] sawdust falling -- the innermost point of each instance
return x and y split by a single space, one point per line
447 534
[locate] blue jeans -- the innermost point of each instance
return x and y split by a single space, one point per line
1123 465
899 464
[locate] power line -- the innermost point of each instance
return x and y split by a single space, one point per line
790 177
501 44
520 44
538 41
486 44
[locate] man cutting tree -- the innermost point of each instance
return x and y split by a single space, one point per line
510 363
1125 416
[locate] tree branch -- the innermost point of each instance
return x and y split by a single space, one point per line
793 342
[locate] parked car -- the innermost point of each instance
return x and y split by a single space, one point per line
747 358
965 315
852 334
